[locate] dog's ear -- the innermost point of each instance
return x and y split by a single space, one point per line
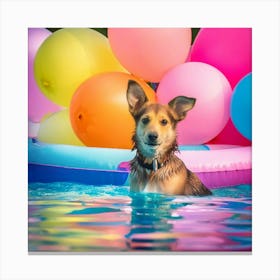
181 105
136 96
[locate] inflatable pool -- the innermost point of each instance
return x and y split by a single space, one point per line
216 165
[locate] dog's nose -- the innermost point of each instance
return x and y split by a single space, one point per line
153 136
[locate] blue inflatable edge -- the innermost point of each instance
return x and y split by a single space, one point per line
49 174
79 164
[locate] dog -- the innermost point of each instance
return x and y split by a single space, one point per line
156 168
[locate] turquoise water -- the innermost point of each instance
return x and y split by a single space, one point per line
67 217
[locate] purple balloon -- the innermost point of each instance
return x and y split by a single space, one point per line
38 104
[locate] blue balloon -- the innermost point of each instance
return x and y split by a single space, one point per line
241 106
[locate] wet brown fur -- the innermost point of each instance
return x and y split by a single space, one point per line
172 177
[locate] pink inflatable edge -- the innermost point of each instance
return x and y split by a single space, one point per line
218 160
222 167
221 179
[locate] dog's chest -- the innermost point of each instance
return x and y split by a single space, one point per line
170 178
145 180
152 184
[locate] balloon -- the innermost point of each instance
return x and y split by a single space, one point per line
38 104
57 129
212 92
227 49
241 106
67 58
230 135
99 110
150 52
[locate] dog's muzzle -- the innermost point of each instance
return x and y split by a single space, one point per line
152 139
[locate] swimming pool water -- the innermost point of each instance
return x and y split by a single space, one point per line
67 217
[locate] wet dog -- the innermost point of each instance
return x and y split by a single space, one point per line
155 167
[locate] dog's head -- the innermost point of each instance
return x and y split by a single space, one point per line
155 132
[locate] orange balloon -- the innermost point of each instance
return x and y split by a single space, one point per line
99 110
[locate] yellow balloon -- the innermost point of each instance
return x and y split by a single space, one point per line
67 58
57 129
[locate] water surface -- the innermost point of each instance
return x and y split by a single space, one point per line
67 217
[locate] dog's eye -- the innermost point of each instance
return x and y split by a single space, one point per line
164 122
145 120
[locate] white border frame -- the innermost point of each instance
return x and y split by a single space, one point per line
17 16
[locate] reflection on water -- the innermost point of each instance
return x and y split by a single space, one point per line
65 217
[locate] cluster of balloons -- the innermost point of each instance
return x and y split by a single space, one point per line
78 79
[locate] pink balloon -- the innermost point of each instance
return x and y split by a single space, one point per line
38 104
227 49
150 52
230 135
212 92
